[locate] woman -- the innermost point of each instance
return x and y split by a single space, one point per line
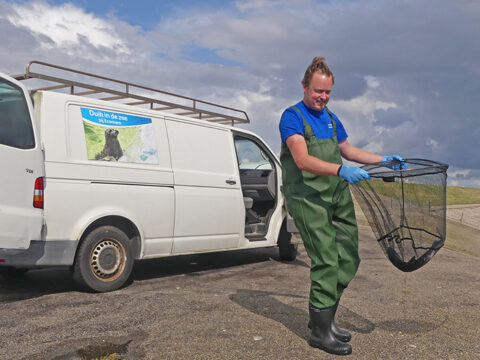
315 184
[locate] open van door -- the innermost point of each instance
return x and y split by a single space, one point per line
21 168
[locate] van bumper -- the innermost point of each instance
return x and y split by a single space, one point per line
40 253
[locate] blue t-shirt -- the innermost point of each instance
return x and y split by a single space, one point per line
291 123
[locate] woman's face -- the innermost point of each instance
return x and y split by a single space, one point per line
317 93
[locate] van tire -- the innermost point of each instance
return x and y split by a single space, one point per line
104 260
286 250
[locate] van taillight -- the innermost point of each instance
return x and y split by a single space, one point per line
38 193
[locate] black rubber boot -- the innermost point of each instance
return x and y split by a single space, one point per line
322 336
340 334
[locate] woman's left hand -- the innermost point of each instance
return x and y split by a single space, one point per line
394 162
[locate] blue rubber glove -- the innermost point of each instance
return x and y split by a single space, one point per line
394 162
352 174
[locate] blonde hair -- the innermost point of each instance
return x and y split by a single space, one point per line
318 64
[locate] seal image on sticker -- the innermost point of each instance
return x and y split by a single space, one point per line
112 149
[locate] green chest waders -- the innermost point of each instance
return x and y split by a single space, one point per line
322 209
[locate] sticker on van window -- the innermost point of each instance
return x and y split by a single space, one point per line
119 137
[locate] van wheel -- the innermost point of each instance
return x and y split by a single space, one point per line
104 260
286 250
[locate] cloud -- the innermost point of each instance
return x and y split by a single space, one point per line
464 177
100 44
248 5
391 118
64 26
407 75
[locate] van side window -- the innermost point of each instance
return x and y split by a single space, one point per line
250 156
15 123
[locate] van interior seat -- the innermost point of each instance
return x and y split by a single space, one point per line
260 185
271 188
248 201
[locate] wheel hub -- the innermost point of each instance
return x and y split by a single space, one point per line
106 259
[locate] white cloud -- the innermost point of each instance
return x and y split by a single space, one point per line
64 26
462 177
372 82
266 5
434 144
358 116
404 83
254 4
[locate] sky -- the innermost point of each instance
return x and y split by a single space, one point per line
407 72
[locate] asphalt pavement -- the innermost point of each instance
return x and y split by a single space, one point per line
244 305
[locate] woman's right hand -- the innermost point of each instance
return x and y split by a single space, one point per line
352 174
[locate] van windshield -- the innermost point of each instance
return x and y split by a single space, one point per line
15 123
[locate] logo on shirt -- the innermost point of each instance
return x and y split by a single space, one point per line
330 126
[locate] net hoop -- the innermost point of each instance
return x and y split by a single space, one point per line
420 167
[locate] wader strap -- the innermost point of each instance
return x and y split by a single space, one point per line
305 123
334 124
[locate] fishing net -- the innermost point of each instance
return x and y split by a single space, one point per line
406 209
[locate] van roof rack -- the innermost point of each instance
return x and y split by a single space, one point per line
130 94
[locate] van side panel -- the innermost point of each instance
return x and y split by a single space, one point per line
209 211
80 190
83 202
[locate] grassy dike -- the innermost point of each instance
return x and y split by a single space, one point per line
461 237
457 195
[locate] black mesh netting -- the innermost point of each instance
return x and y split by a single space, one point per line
406 209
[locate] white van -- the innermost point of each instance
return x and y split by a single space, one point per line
101 176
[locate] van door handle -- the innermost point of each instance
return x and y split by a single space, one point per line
230 182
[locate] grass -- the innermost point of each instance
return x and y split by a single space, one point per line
459 237
457 195
422 195
462 238
415 194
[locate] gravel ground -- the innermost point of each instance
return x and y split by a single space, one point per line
244 305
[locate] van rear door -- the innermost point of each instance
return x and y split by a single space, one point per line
21 164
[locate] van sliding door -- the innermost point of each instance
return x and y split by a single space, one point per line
209 210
